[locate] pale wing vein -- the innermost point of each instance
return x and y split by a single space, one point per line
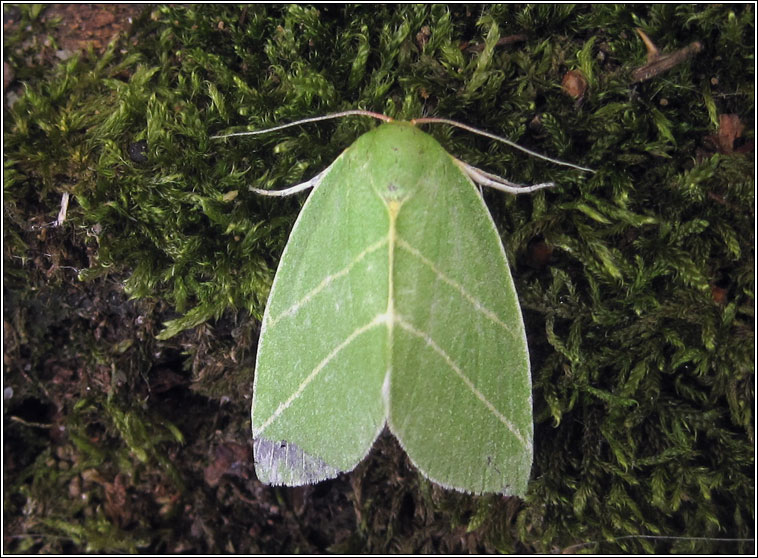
478 306
292 310
466 380
379 319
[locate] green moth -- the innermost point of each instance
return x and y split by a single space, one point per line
393 306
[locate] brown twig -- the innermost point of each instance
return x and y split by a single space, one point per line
658 63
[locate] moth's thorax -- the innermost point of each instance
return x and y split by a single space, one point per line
406 156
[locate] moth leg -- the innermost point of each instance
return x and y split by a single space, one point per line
484 178
312 183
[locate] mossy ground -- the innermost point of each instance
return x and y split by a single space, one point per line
130 331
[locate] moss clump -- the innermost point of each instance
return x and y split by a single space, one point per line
637 282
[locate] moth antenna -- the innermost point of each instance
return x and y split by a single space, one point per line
356 112
497 138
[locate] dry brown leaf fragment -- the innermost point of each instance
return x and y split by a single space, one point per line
730 128
574 84
719 294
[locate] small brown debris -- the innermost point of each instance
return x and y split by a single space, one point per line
535 124
718 294
163 379
8 75
116 502
75 487
574 84
658 63
539 254
102 19
730 128
229 458
422 37
519 37
652 51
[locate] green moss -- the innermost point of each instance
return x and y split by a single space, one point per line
640 324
